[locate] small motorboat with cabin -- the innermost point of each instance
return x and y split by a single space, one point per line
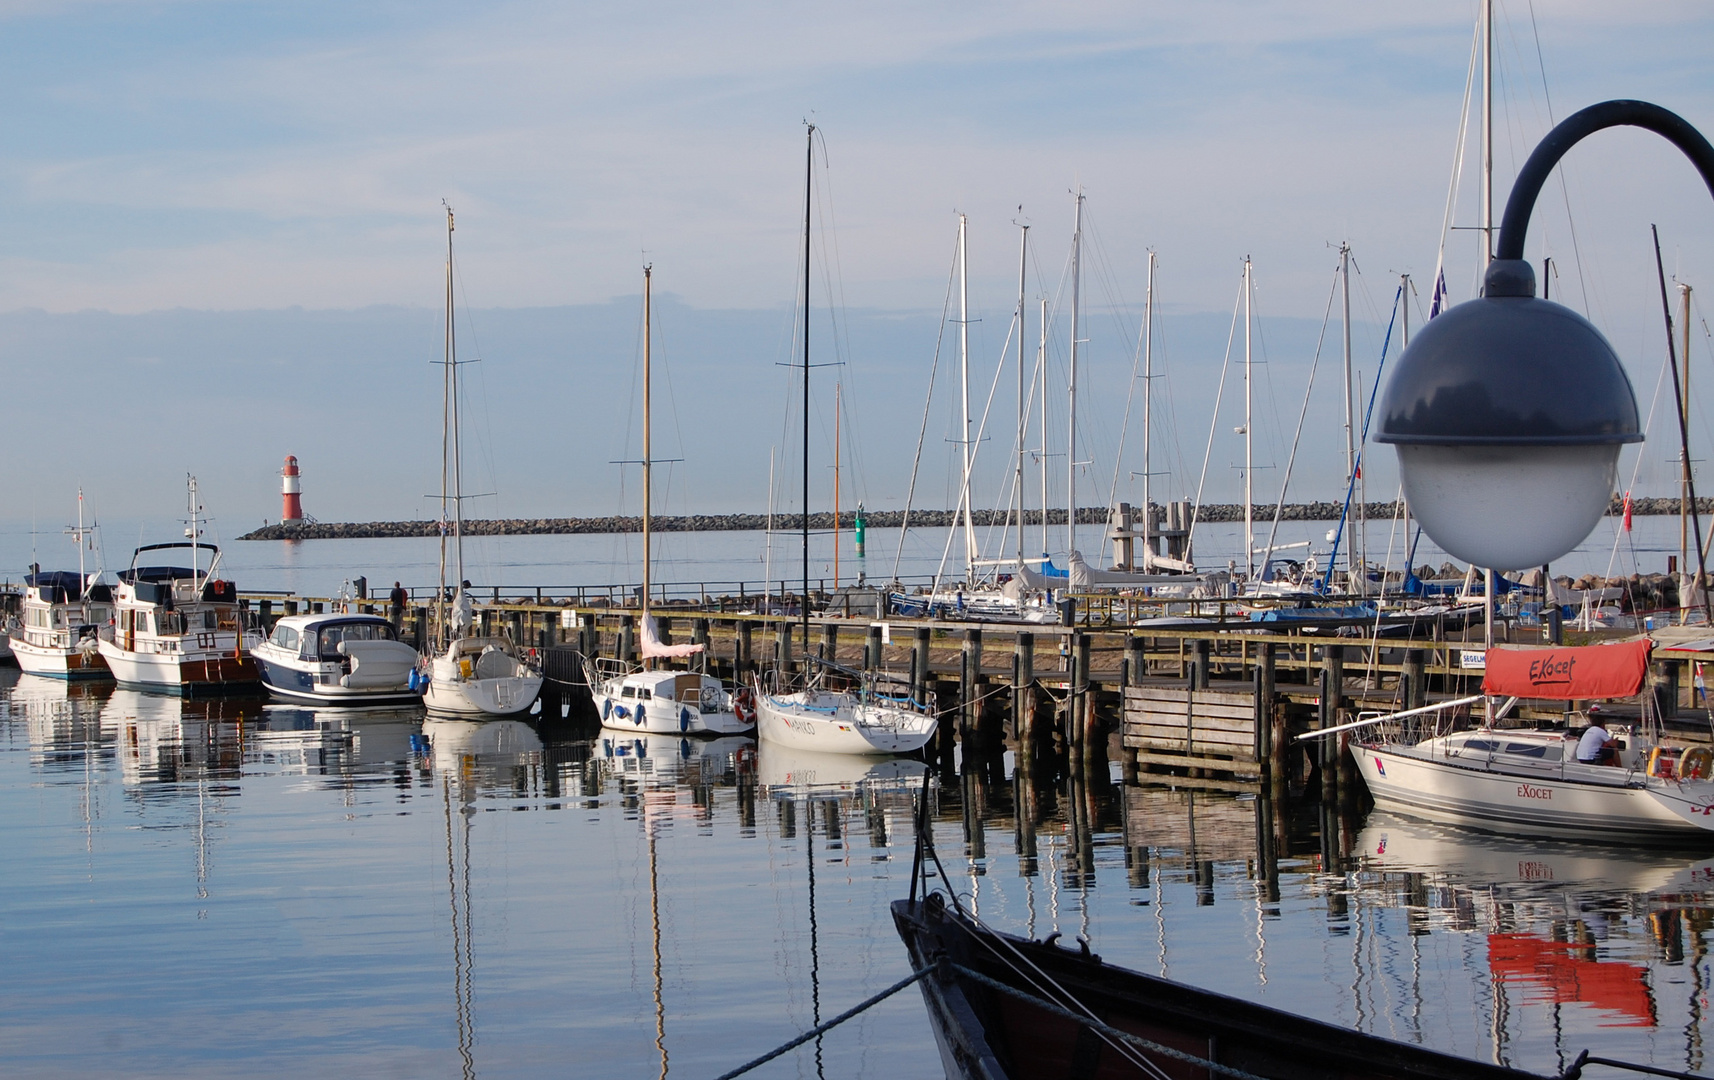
338 659
1529 781
63 612
178 629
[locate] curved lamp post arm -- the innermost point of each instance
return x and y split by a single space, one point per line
1573 129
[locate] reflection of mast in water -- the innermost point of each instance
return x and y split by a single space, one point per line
814 934
655 926
457 873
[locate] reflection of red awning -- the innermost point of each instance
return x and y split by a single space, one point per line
1555 967
1592 671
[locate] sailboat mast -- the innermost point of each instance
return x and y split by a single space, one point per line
1023 417
808 178
1071 426
1351 560
964 381
1249 460
1041 424
1684 545
1148 408
1487 133
446 394
83 578
457 450
648 451
838 389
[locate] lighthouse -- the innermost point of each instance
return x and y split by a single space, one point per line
291 502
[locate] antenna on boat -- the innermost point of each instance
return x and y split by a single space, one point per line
78 534
194 530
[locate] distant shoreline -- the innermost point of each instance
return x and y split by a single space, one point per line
877 519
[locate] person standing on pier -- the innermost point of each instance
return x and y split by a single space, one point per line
397 600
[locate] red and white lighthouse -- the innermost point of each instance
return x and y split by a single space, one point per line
291 502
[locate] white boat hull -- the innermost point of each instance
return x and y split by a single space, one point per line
1580 801
180 673
839 723
57 663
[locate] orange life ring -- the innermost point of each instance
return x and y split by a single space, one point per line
744 705
1695 763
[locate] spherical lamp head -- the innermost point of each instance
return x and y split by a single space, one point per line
1507 414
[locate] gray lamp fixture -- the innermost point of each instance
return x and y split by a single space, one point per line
1508 412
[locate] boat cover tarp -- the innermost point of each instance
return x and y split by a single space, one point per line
1567 673
652 646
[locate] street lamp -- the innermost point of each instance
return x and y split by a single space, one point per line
1508 412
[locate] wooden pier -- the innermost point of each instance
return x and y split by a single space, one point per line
1214 707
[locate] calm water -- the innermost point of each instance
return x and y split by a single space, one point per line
212 888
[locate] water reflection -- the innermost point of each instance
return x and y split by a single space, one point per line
747 888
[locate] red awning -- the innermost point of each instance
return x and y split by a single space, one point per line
1591 671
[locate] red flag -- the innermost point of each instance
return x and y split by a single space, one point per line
1627 511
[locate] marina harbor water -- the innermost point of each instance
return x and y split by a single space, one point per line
200 887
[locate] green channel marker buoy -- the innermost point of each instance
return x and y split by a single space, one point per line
859 531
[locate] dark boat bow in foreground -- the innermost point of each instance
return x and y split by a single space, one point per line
1004 1007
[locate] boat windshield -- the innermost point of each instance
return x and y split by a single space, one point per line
330 636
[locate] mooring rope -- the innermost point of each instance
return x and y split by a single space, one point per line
820 1029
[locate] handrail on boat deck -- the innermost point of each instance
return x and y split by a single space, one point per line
1391 716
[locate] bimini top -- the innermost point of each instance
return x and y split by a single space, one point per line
69 580
158 573
64 586
1568 674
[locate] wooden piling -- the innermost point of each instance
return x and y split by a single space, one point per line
627 639
1199 664
919 664
743 653
969 675
1136 662
1332 698
1023 696
873 650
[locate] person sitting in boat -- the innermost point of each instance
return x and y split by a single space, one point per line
1596 747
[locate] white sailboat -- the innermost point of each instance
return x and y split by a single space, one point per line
816 718
642 699
1532 781
472 675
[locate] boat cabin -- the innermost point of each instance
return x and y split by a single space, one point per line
685 687
57 613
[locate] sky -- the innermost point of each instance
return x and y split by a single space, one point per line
225 239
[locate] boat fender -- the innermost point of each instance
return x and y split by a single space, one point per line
683 718
641 716
621 712
1695 763
606 708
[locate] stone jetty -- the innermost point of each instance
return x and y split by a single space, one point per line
875 519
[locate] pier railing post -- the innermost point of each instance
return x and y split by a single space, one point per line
969 675
1332 699
1023 697
699 636
919 665
743 655
627 639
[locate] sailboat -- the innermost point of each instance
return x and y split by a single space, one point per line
474 674
818 718
659 702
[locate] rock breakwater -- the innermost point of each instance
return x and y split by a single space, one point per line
877 519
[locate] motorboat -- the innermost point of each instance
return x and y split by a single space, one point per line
1529 781
338 659
63 612
178 629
